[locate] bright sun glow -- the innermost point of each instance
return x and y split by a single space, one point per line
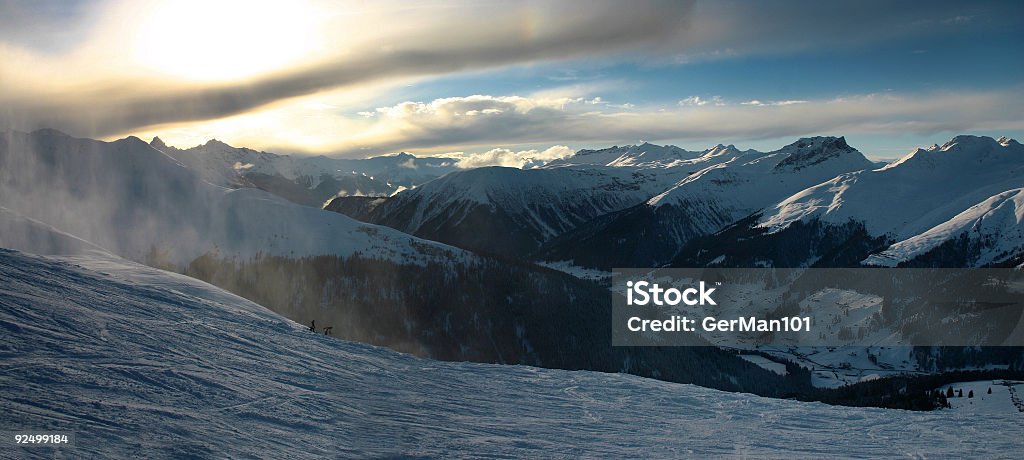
225 39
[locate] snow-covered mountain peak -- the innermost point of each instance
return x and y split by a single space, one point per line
216 144
816 143
963 151
966 141
810 151
1007 142
644 155
133 141
747 179
158 144
720 150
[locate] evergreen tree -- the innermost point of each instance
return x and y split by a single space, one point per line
989 390
960 393
970 394
949 392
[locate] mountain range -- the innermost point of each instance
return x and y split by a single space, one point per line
307 180
453 263
61 195
646 206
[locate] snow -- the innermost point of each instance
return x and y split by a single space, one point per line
566 266
766 363
549 201
254 221
148 201
138 362
997 223
912 195
984 404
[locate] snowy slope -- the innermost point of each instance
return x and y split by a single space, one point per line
569 195
994 228
983 404
912 195
138 362
131 199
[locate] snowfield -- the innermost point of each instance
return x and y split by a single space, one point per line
996 224
140 362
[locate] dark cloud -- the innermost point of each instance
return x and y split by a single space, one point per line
45 25
559 31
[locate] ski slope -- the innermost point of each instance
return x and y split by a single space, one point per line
140 362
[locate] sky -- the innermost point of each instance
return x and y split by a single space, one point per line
500 80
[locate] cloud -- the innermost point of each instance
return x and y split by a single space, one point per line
512 159
480 122
759 103
699 101
409 164
97 93
511 120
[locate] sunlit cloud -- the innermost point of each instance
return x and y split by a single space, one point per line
760 103
700 101
489 120
509 158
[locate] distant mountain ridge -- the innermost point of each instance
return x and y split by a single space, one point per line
590 209
307 180
953 205
509 211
